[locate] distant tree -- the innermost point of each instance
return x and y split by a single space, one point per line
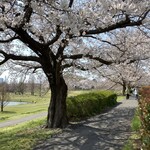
41 82
12 86
40 86
4 96
32 85
21 87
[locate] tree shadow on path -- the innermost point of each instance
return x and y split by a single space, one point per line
107 131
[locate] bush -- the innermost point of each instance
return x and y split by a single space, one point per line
144 107
89 104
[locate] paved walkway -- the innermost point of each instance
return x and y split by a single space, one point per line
107 131
21 120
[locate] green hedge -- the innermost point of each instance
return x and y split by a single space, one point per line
144 109
89 104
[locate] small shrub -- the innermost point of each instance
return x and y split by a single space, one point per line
89 104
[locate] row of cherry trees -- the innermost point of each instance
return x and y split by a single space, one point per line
128 44
53 35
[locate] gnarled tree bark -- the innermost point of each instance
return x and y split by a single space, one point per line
57 114
57 110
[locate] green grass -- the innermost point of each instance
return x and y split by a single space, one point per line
27 97
136 124
128 146
78 92
24 136
18 111
120 98
133 141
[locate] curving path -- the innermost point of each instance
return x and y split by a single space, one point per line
22 120
107 131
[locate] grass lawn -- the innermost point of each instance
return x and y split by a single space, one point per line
24 136
36 104
120 98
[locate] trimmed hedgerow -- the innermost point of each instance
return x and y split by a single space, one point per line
89 104
144 109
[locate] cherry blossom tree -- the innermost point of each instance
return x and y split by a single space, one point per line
52 34
126 44
123 74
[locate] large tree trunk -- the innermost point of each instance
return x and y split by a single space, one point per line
57 111
2 106
124 88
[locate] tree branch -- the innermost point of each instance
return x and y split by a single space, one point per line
27 15
79 56
72 64
122 24
61 48
104 41
58 33
108 77
19 57
71 3
106 62
37 47
138 59
29 66
9 40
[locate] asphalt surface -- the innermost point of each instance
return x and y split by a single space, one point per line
22 120
107 131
